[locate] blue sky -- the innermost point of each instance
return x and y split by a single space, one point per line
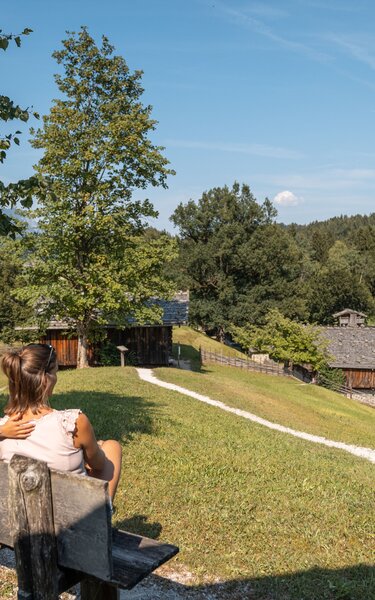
275 94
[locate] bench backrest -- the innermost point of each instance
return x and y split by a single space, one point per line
82 521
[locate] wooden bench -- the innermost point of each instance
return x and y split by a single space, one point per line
59 525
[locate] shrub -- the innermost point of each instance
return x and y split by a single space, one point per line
108 355
332 379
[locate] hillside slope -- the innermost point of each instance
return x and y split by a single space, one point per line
283 400
247 506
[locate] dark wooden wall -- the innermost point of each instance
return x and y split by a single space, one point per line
360 378
149 345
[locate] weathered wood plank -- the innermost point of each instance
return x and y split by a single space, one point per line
82 523
82 518
135 557
31 522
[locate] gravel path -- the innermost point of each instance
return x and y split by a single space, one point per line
169 586
366 453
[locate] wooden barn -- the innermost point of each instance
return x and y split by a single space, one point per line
149 345
352 346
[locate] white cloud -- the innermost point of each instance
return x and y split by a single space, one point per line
286 198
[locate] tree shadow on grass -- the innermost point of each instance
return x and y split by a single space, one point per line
351 583
113 416
191 354
120 417
140 525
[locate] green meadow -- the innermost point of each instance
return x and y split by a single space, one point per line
246 505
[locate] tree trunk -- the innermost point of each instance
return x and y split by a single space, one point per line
221 335
82 357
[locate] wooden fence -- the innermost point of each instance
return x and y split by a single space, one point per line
208 356
335 387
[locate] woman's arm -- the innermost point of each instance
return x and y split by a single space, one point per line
13 429
84 437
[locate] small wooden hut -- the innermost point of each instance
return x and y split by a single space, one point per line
352 347
149 345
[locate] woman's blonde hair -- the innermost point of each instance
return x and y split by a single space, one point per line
26 370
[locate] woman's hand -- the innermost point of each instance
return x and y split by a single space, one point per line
13 429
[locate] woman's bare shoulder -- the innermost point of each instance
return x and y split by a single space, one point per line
83 422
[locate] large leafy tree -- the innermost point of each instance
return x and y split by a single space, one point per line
90 262
12 311
284 340
364 241
236 261
340 283
23 189
273 275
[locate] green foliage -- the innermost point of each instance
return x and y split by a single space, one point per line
236 262
21 191
363 240
5 38
332 379
12 311
339 284
108 354
284 340
239 264
342 272
90 261
321 241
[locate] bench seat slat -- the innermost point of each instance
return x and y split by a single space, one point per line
135 557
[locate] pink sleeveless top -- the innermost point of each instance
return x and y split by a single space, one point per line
51 441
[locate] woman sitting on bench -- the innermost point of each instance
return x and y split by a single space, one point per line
64 439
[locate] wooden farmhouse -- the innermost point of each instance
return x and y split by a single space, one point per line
146 344
352 347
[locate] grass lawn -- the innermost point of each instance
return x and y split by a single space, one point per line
282 400
245 504
190 340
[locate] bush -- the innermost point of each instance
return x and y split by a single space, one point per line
332 379
131 359
108 355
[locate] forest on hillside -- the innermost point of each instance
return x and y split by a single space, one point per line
238 263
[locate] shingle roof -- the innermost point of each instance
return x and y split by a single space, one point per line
349 311
351 347
175 312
